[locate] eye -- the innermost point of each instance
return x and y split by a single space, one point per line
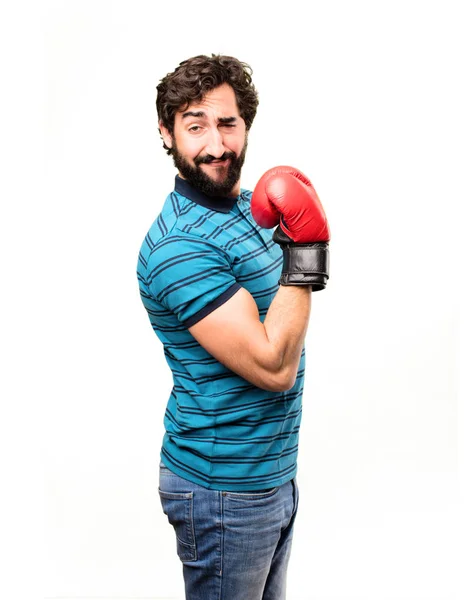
194 128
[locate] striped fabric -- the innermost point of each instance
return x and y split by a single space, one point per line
221 431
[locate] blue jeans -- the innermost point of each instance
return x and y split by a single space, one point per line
233 545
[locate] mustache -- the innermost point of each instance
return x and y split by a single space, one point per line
209 159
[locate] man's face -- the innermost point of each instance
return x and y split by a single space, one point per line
209 143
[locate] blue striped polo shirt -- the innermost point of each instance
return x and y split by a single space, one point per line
221 431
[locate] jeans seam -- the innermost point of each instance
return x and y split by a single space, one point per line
222 533
295 500
191 528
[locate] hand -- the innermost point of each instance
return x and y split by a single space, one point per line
285 197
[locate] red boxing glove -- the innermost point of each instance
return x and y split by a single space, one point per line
285 197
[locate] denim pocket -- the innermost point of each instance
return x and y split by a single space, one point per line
179 509
252 495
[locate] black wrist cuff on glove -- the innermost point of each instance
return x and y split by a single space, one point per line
303 264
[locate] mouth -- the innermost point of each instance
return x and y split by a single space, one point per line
219 163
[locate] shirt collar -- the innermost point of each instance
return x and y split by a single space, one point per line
218 203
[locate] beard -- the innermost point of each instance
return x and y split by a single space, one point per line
200 180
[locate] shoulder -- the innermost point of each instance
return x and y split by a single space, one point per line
170 219
185 271
179 246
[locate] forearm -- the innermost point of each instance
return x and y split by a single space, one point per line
286 326
266 354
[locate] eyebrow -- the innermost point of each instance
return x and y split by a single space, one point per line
201 114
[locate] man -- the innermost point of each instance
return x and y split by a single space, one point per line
233 337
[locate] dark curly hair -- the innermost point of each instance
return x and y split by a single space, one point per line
195 77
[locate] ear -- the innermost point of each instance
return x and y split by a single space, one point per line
167 137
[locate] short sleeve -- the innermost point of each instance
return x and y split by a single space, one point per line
190 276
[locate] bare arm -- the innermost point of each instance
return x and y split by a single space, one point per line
265 354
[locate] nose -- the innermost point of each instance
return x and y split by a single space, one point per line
215 145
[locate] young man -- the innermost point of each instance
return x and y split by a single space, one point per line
232 326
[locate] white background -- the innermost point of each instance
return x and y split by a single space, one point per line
372 100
